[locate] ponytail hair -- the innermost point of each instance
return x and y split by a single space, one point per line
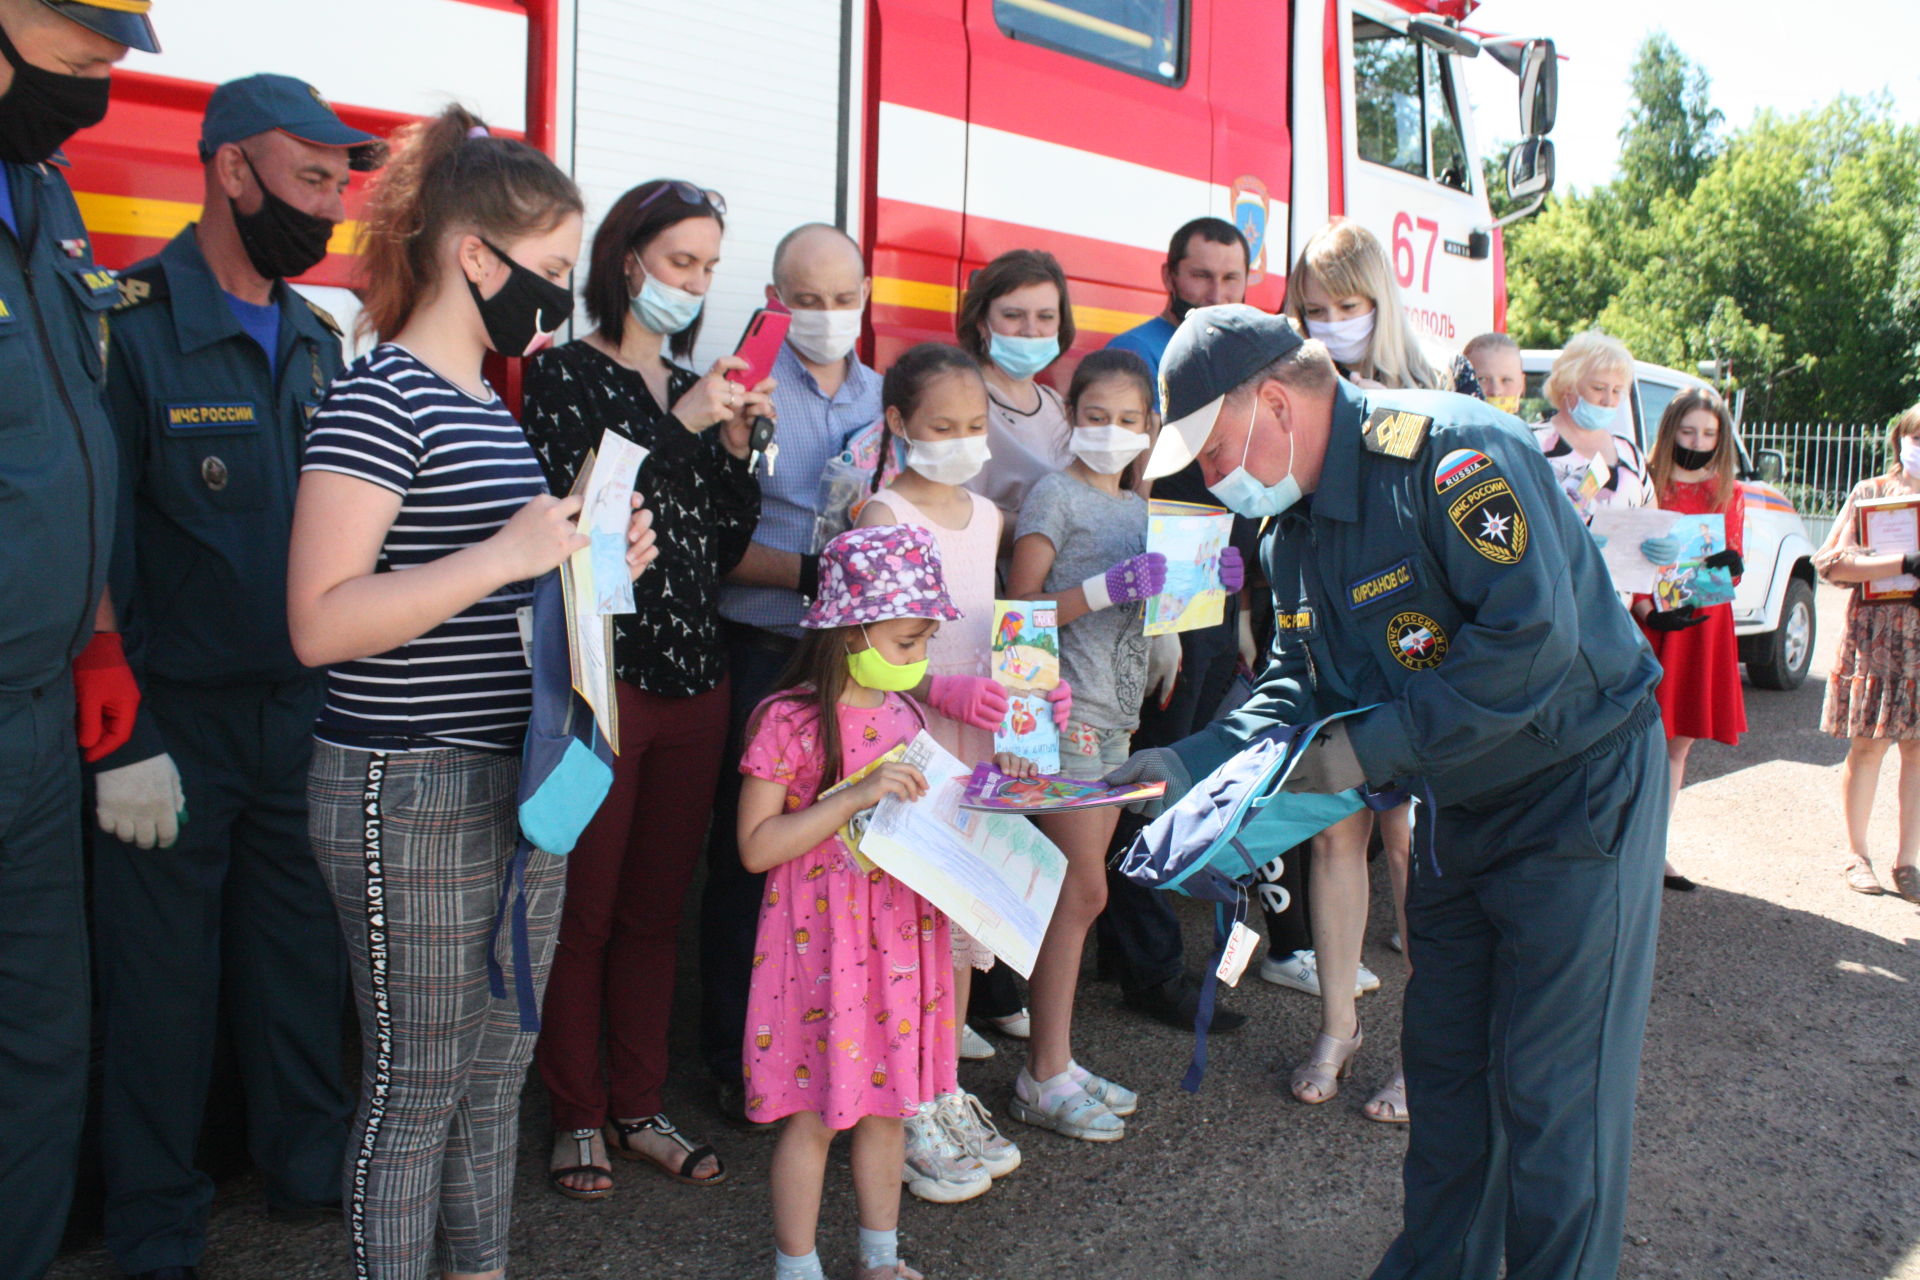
449 174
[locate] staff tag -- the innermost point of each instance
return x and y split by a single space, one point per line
524 616
1233 961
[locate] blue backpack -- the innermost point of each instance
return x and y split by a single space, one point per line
566 770
1212 844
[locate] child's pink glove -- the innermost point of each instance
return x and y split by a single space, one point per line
974 700
1233 570
1061 696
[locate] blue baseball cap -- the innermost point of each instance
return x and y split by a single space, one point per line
1212 353
124 21
240 109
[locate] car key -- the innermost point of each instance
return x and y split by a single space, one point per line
761 441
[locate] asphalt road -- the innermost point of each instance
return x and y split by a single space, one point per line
1777 1133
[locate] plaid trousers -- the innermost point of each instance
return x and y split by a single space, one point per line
414 848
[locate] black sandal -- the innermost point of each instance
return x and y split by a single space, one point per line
618 1132
583 1140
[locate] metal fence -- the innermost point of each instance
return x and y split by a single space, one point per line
1824 461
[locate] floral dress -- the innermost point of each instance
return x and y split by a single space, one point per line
1871 693
850 1012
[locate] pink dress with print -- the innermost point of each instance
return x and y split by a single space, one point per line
850 1013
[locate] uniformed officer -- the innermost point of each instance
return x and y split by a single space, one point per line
63 681
217 366
1425 565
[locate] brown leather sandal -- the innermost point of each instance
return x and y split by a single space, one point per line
619 1132
1906 882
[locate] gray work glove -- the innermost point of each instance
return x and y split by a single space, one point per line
1154 764
1329 765
1661 551
141 803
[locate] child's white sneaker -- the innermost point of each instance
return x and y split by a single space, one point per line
937 1168
971 1126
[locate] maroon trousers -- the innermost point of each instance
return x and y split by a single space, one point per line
614 966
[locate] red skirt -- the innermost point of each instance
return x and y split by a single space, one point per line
1700 694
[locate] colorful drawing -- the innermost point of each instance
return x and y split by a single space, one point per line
997 792
1026 661
1191 537
1688 581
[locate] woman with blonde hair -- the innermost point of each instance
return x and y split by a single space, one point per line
1596 461
1871 695
1342 292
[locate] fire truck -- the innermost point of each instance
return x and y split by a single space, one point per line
939 133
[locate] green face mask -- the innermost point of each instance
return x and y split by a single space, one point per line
869 669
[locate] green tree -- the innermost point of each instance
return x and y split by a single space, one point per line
1667 142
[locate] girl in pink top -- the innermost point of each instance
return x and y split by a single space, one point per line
850 1021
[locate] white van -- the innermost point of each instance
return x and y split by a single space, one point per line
1773 606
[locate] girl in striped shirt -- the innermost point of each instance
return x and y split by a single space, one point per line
421 522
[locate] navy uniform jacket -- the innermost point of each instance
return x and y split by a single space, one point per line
57 468
1439 571
210 445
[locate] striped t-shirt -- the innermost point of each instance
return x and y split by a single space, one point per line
461 467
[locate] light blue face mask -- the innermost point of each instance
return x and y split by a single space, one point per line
1241 494
1022 357
1591 416
664 309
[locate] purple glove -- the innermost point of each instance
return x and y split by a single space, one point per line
974 700
1061 696
1233 570
1138 578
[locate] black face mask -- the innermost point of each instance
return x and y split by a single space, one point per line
42 109
526 310
1692 459
1180 307
280 240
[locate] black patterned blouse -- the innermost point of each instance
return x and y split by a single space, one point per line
705 504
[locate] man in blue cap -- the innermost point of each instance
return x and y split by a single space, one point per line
63 682
1425 565
206 890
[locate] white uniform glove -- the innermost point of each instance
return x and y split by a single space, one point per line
141 803
1249 651
1163 667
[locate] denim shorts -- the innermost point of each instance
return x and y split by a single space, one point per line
1089 753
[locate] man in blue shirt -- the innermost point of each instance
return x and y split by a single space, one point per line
824 396
1139 933
217 367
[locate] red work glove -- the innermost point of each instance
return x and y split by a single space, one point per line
106 696
1061 696
974 700
1233 570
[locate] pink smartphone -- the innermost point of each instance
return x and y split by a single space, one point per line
760 346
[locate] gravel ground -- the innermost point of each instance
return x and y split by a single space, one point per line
1776 1134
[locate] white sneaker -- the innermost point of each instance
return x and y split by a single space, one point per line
974 1047
1301 972
971 1125
1018 1025
937 1169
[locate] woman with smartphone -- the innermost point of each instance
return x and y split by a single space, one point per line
652 262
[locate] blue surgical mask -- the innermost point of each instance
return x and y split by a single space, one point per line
1243 495
663 309
1591 416
1022 357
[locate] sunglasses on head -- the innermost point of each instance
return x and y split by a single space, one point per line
689 194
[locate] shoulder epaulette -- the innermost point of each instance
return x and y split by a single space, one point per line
1396 433
325 316
141 285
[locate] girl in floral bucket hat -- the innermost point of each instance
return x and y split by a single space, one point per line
850 1014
